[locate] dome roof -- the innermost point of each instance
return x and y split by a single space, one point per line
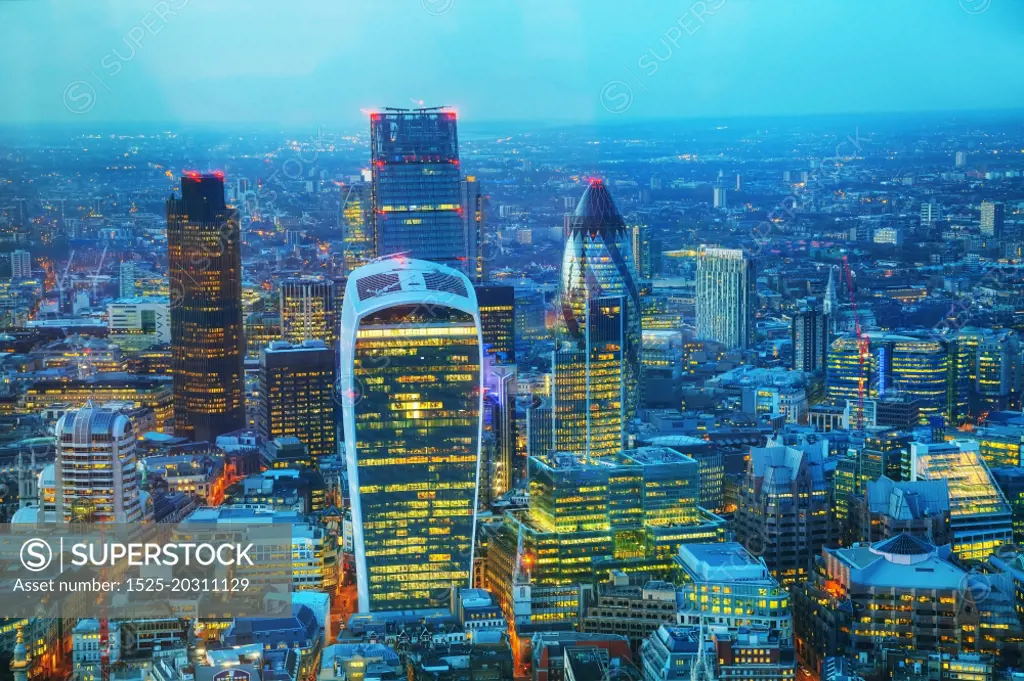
596 208
903 548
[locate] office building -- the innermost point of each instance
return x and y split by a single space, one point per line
889 235
934 372
417 194
311 560
589 391
307 306
783 509
725 587
550 651
725 296
503 468
96 479
900 594
888 508
709 457
961 159
357 223
645 253
634 609
981 520
474 203
149 392
206 309
598 264
993 219
498 320
146 320
590 515
675 653
1011 483
297 392
999 445
989 365
261 328
878 454
931 213
21 264
810 339
719 198
412 353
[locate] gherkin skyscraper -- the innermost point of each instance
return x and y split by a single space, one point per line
598 282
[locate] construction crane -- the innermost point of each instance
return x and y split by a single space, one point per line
863 345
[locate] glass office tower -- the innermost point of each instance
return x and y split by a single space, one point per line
205 272
357 223
297 395
598 263
589 389
412 393
417 190
308 310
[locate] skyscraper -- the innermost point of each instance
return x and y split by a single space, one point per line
589 389
473 204
810 339
357 224
308 311
725 296
417 193
95 475
720 201
297 395
206 309
498 321
504 466
598 263
992 218
412 386
643 251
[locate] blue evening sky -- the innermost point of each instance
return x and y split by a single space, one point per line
301 61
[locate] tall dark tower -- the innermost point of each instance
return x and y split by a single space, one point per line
417 186
203 244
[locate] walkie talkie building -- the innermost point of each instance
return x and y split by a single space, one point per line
412 393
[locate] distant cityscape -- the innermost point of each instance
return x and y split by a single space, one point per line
734 399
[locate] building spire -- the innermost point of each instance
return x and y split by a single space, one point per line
19 663
702 668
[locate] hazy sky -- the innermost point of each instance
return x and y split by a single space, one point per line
321 61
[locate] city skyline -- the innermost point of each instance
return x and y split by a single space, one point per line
512 341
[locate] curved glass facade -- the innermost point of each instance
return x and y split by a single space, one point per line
598 273
411 387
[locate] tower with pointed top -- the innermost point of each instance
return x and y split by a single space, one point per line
597 364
